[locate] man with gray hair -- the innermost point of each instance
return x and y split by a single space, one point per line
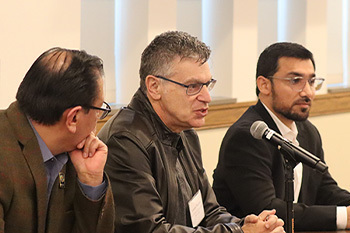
154 159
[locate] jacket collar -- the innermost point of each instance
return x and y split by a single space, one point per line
141 104
259 107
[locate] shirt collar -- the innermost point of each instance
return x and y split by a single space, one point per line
45 151
140 102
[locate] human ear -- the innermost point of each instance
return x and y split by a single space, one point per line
71 118
153 87
264 85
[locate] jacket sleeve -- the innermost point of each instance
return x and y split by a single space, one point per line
94 216
215 213
321 192
138 203
252 172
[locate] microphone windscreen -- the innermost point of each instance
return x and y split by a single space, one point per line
258 129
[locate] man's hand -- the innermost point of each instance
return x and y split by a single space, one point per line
267 221
89 160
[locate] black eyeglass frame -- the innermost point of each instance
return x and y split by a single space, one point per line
300 78
106 110
211 81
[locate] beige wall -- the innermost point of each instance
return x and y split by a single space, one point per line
334 131
28 28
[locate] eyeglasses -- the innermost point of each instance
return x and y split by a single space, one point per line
298 83
192 89
105 108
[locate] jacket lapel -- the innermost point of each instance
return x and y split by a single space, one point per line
33 156
261 110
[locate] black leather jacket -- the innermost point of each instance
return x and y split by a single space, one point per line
141 166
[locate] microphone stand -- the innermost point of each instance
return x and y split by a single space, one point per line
289 164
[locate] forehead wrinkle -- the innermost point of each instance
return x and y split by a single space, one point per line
57 61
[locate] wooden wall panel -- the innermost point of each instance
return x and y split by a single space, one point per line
224 115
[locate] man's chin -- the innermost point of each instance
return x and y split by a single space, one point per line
198 123
300 114
299 117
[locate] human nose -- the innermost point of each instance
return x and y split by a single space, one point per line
308 90
204 95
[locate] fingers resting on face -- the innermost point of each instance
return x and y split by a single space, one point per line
90 145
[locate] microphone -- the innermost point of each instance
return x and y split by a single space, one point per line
260 130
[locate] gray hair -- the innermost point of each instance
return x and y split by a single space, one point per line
158 56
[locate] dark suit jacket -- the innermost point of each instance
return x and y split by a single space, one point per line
23 187
250 175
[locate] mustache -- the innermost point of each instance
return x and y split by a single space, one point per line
303 100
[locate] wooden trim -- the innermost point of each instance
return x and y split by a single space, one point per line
224 115
331 104
100 123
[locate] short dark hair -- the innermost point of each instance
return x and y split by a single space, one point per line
59 79
158 56
268 60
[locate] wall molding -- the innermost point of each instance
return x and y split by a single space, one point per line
224 115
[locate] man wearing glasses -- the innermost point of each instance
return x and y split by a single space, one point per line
51 163
250 175
154 158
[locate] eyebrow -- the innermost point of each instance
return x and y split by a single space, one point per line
195 81
299 74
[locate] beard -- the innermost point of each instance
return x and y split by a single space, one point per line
288 112
294 116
